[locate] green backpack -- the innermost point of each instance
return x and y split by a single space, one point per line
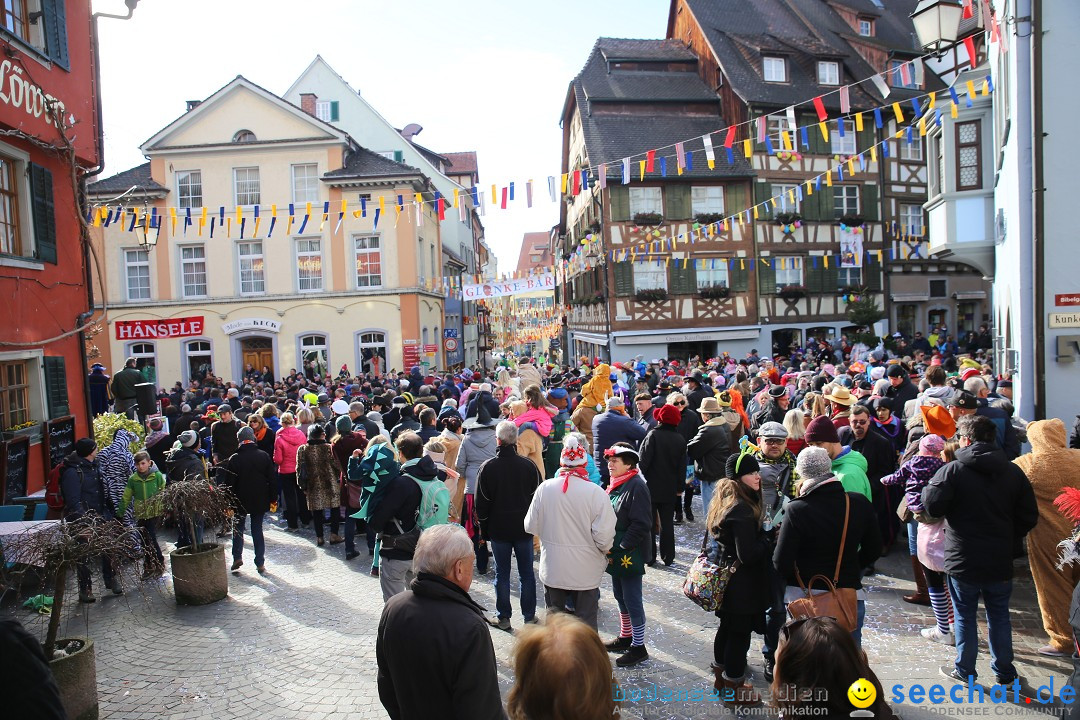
434 503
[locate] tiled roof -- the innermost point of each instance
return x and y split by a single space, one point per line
138 177
611 135
365 163
461 162
534 243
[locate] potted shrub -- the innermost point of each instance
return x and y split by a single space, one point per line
106 425
714 292
648 218
653 295
792 292
199 572
58 549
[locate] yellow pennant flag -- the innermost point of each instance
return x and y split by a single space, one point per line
786 140
851 166
898 112
678 168
824 131
970 89
809 187
873 153
765 260
725 225
791 196
382 205
826 259
455 197
742 264
495 196
239 215
933 101
202 221
953 111
712 164
641 168
772 200
755 212
828 178
228 226
97 217
858 122
986 86
564 182
747 148
922 126
172 219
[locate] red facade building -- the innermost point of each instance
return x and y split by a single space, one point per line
50 140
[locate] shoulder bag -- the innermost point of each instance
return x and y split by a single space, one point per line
706 580
838 603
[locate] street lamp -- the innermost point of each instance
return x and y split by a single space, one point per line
937 23
147 232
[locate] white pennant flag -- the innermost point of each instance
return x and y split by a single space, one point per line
551 187
845 100
706 140
881 85
602 171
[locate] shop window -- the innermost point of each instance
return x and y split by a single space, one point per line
371 348
314 358
145 360
199 359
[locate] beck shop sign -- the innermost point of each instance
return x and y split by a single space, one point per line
251 324
170 328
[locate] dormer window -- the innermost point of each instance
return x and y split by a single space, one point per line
866 27
828 73
244 136
774 69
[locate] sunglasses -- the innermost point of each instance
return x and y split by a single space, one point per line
679 404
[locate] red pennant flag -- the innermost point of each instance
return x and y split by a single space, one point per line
820 107
969 43
442 209
577 182
969 9
504 192
650 158
730 139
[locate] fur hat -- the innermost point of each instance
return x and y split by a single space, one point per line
813 463
821 429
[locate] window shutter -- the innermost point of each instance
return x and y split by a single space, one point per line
869 202
677 202
811 204
815 276
619 198
56 386
872 272
830 277
868 136
41 200
766 278
734 199
56 44
818 146
682 280
333 111
762 193
624 277
398 156
738 278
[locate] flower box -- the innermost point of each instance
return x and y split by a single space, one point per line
708 218
656 295
648 218
792 292
714 292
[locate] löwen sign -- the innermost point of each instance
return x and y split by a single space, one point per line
157 329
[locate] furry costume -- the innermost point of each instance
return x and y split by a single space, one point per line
599 389
1051 467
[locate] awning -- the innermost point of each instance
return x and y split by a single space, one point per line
910 297
971 295
652 337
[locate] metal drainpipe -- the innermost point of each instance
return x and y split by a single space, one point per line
1039 218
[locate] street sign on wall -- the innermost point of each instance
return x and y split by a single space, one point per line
450 344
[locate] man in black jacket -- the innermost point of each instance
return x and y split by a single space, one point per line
251 475
696 392
504 491
663 463
989 506
709 450
901 388
880 461
643 403
407 422
223 434
85 498
394 516
433 649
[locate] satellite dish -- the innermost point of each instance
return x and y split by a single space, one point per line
412 130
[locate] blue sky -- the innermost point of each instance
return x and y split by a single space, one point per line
484 76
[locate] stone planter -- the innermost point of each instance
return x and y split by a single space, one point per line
199 578
76 676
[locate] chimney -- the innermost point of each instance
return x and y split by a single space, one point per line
307 103
192 104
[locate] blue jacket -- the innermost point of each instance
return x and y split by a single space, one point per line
81 486
609 428
1006 433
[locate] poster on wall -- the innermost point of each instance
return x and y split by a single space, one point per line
851 249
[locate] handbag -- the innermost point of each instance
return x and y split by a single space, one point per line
840 604
903 512
706 581
403 540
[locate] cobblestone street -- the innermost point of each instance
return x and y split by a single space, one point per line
300 641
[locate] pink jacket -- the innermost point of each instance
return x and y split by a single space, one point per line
285 444
542 418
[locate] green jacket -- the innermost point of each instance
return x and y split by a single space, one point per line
142 489
124 382
850 470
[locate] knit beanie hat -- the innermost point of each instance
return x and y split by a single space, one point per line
573 455
931 445
343 424
85 446
668 415
246 434
188 438
821 429
813 463
740 464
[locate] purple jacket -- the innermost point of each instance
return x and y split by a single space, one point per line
914 475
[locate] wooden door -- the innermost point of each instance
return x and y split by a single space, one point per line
258 352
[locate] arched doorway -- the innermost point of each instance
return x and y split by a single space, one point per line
258 352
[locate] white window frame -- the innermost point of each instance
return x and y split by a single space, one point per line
372 343
911 151
646 200
129 265
130 351
849 277
24 206
842 195
650 275
247 193
770 64
706 199
257 271
37 405
783 203
205 271
311 190
711 276
866 27
188 355
303 251
303 349
356 256
323 110
828 72
776 124
184 179
908 213
788 270
845 146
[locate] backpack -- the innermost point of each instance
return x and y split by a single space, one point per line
429 508
54 496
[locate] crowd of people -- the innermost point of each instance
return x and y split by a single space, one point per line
810 467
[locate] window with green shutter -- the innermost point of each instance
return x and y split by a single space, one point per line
56 391
677 202
870 209
868 136
818 146
44 213
739 277
682 277
619 200
762 193
56 41
815 276
872 272
766 279
735 198
812 205
334 111
624 278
